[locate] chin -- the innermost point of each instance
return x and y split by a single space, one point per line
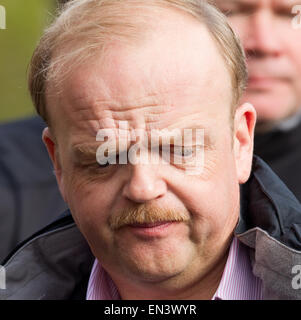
156 276
156 267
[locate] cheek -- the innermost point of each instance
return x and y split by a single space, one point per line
225 193
90 206
89 200
214 202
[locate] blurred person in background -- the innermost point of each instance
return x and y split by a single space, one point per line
28 190
273 49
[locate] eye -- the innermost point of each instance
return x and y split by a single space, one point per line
284 13
107 161
182 151
187 152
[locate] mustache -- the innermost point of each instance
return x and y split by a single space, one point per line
146 214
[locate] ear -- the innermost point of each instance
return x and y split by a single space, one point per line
244 124
52 149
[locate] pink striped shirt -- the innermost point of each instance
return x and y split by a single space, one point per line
238 281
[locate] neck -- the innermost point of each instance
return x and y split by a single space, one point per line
180 287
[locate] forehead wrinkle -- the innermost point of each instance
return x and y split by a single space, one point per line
122 103
93 107
149 116
114 112
108 119
111 84
154 103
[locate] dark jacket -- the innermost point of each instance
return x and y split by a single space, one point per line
29 196
56 262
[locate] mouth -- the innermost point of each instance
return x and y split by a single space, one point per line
153 229
150 225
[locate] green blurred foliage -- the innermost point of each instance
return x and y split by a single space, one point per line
25 21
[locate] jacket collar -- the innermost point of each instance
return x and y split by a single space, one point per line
270 224
266 203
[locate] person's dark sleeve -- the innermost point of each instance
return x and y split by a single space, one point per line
29 195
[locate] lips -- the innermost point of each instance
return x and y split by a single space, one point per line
150 225
153 230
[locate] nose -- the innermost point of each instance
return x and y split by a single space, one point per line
144 184
262 39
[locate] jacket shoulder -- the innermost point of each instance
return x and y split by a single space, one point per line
53 264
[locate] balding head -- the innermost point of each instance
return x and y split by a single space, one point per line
86 27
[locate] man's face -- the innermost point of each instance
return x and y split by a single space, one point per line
172 81
273 48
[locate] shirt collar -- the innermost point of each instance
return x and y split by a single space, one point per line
238 281
100 285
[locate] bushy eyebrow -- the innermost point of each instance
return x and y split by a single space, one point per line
86 152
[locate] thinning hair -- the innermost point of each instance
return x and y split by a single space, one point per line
83 28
